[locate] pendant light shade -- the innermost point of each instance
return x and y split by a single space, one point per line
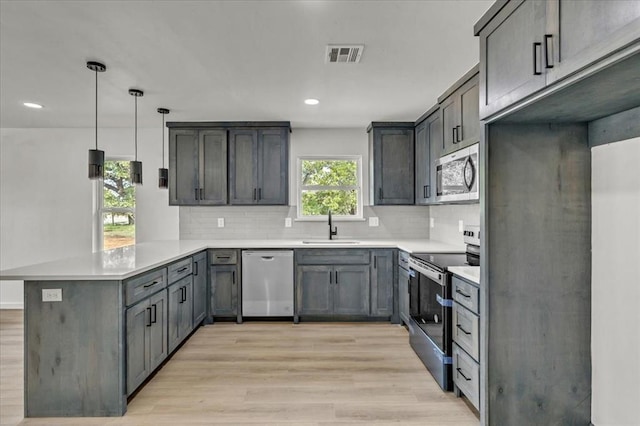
136 166
163 174
96 157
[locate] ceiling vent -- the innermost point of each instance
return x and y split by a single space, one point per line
344 53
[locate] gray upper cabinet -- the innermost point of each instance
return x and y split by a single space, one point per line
459 112
382 284
258 166
428 135
526 45
391 157
199 288
197 167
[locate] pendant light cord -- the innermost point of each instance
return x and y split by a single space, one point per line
163 141
96 109
136 131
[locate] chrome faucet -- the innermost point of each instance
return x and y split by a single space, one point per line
332 230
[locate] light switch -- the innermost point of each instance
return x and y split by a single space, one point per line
52 295
287 222
221 222
373 221
460 226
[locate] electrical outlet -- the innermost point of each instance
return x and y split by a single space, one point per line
221 222
52 295
460 226
432 222
373 221
287 222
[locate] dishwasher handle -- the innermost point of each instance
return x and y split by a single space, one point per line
267 258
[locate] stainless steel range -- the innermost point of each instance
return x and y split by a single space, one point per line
430 306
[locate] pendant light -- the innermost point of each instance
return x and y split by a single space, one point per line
96 157
136 166
163 174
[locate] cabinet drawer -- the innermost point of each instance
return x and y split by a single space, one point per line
141 286
466 375
465 294
466 330
179 269
332 257
223 257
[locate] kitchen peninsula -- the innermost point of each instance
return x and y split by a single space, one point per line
82 316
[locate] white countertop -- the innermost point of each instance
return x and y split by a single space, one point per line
471 273
124 262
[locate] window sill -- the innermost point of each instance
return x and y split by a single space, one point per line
333 219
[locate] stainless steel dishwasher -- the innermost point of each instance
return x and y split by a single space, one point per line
267 283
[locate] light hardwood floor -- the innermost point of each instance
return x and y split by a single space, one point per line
268 374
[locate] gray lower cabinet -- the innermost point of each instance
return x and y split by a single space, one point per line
383 284
333 290
197 166
146 338
199 288
180 316
224 280
258 166
391 158
403 288
428 134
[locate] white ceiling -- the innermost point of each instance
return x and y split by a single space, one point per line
230 60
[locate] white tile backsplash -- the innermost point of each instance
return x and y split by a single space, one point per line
446 218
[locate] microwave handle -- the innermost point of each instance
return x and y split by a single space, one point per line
469 163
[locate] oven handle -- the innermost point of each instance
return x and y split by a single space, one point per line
434 275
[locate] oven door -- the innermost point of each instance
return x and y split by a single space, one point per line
430 308
457 176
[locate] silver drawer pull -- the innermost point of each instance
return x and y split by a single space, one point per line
463 294
150 285
462 374
463 330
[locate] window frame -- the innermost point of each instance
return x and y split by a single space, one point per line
358 188
101 209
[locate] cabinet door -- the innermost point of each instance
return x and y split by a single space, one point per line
272 166
469 114
313 290
213 167
423 162
224 290
186 309
511 55
382 283
435 142
351 290
183 167
173 315
199 288
403 295
138 368
449 116
243 160
583 32
158 350
393 173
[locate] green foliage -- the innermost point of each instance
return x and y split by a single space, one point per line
118 189
325 174
119 231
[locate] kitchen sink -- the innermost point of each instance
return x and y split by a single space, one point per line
330 242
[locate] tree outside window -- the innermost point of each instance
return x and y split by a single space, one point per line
329 184
118 208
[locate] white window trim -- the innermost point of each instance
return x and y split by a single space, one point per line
342 218
99 209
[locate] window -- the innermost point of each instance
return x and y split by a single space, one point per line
118 205
329 184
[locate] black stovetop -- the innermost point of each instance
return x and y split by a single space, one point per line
443 260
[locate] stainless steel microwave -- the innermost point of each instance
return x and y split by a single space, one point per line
457 176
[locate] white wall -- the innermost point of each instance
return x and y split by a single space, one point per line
615 320
46 197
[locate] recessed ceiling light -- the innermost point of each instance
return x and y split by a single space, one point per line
32 105
311 101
